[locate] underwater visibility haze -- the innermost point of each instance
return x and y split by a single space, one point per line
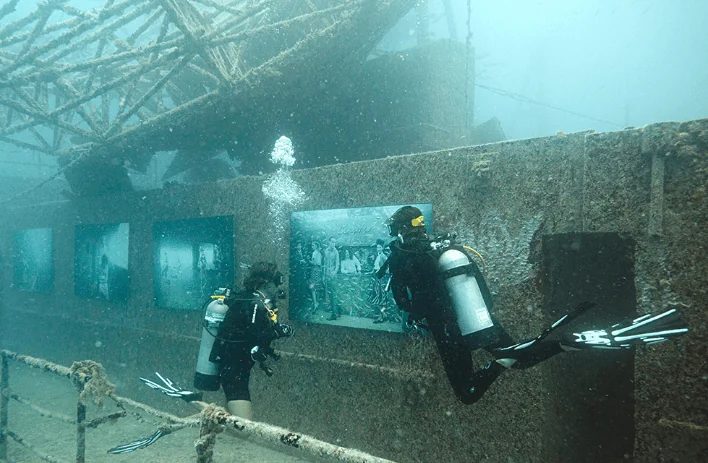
353 230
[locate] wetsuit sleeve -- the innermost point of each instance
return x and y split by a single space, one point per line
398 287
400 295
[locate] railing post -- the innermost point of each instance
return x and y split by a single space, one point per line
80 429
4 405
207 438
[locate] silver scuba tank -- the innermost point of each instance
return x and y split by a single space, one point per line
207 374
465 294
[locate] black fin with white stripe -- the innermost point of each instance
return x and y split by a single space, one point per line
171 389
139 444
572 315
648 329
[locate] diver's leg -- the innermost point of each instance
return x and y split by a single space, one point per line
234 381
525 358
528 353
240 408
647 329
456 355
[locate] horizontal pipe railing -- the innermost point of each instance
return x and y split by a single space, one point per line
212 421
401 374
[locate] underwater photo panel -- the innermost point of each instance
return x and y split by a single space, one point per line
334 257
191 258
101 261
33 268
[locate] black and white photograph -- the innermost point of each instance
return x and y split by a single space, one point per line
191 258
101 268
334 257
33 269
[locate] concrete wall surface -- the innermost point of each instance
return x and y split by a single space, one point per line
638 195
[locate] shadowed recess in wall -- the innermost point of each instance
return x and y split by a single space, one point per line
592 393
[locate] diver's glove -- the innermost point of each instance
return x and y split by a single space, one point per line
417 324
446 237
282 330
270 352
171 389
260 356
139 444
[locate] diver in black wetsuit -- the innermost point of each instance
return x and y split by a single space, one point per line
237 333
437 281
244 337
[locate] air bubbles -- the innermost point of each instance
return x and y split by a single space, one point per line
283 152
282 192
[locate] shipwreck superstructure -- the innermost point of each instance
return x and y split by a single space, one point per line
103 90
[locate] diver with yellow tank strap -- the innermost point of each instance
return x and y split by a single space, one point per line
245 336
437 281
238 330
237 333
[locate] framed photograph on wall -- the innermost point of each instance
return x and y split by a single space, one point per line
101 261
33 268
191 258
334 256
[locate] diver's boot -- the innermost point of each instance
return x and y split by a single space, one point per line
647 329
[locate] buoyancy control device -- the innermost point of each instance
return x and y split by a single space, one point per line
206 376
466 288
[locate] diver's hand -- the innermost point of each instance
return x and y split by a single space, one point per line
258 355
270 353
419 325
283 331
446 237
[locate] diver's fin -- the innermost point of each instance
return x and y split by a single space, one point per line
138 444
572 315
171 389
504 352
647 329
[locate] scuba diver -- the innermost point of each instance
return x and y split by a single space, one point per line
237 333
436 281
244 338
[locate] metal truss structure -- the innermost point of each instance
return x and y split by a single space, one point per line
121 82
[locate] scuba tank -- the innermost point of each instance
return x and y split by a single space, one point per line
206 376
467 291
